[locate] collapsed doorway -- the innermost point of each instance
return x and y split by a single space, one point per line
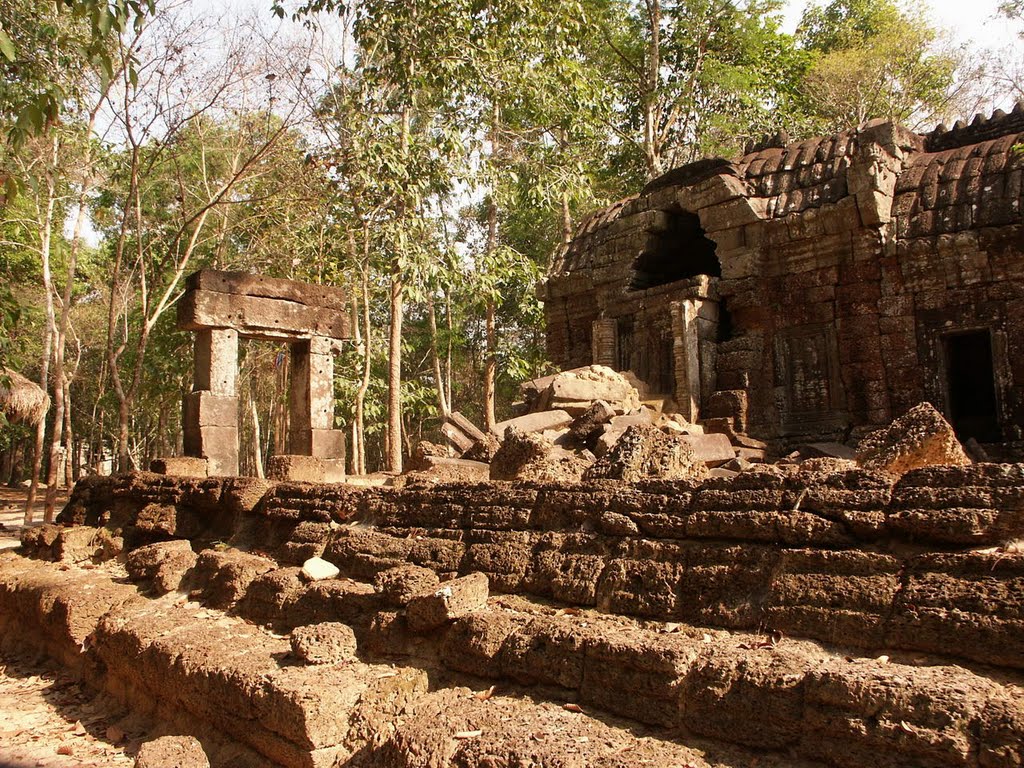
971 386
678 251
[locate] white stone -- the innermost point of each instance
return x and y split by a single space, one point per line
318 569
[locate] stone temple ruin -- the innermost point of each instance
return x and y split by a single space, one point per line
799 614
814 290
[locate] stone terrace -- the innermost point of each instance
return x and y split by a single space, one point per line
803 618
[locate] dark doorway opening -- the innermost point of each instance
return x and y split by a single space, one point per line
971 386
682 250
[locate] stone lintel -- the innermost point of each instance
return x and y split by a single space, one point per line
258 317
261 286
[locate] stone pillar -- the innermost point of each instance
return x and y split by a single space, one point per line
686 349
210 412
604 341
311 404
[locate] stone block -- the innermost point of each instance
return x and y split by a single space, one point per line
305 469
711 449
219 445
181 466
216 361
535 422
172 752
205 409
245 284
919 438
259 318
320 443
329 642
454 599
311 402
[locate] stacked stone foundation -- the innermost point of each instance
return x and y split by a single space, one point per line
820 618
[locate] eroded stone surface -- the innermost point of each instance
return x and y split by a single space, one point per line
919 438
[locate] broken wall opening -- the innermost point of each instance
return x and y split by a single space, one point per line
971 386
679 251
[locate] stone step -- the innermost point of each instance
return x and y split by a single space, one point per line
745 688
240 692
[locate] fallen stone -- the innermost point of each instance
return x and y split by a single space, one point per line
722 472
172 571
531 457
172 752
640 417
447 468
644 451
534 422
399 585
224 576
82 543
919 438
739 464
587 427
318 569
483 450
755 455
425 450
607 440
713 450
826 451
329 642
142 563
454 599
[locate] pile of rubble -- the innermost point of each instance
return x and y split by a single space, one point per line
594 423
590 423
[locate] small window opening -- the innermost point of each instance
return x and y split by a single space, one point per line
679 252
971 387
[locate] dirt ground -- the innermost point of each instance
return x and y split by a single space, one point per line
12 512
46 718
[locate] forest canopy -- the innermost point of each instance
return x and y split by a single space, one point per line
430 156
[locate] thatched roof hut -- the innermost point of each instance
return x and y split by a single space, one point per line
22 400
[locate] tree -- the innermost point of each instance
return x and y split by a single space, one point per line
872 59
694 77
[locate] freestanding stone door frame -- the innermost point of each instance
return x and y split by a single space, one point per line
221 307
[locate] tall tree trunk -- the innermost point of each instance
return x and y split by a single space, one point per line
435 359
257 448
395 323
491 341
45 239
652 145
60 381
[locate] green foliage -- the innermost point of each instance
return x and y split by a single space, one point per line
44 47
871 59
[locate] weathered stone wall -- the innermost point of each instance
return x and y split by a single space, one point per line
849 557
845 263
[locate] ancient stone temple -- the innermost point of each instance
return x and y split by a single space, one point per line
222 307
815 289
